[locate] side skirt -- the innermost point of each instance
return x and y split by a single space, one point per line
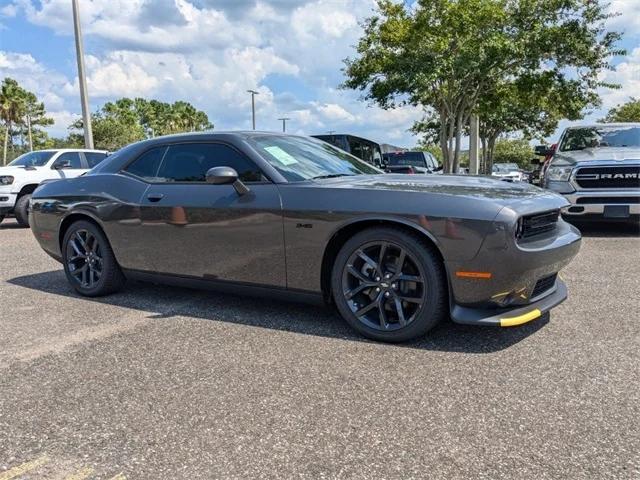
235 288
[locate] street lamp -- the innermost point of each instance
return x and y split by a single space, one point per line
82 79
284 123
253 106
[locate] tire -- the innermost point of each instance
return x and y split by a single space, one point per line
21 210
1 218
418 288
86 246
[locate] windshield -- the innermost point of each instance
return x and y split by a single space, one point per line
32 159
604 136
302 158
505 167
415 159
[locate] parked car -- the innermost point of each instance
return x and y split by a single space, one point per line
21 177
410 162
292 216
507 171
362 148
597 168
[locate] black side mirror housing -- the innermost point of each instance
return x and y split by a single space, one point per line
62 165
226 176
543 151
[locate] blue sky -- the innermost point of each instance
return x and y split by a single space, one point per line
209 52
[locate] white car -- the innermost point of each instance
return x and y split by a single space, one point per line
21 177
509 172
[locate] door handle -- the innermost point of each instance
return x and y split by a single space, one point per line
155 197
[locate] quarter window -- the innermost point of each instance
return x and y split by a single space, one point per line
147 165
94 158
190 163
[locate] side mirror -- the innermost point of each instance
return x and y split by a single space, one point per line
226 176
544 151
62 164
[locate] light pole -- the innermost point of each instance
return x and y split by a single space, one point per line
284 123
253 106
82 79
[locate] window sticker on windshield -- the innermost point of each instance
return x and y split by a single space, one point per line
281 156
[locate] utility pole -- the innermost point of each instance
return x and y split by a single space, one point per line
284 123
253 106
82 79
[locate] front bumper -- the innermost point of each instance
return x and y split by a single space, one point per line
598 203
511 317
7 202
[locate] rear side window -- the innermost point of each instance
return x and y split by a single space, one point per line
147 165
190 163
94 158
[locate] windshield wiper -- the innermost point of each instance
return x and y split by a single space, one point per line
333 175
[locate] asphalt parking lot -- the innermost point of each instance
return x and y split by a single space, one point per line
158 383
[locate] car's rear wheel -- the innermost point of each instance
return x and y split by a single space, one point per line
89 262
389 284
21 210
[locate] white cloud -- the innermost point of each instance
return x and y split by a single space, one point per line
627 75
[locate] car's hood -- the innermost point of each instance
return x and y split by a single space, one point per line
15 170
618 154
481 197
458 185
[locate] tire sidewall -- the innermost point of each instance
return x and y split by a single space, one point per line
431 312
108 261
21 210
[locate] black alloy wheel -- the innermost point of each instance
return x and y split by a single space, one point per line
383 286
84 259
389 284
89 262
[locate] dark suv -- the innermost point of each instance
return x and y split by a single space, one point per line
411 162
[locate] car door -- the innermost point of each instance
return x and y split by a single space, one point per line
69 165
196 229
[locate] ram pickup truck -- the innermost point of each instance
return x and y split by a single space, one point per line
597 168
21 177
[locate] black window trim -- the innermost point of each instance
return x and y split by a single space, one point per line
166 146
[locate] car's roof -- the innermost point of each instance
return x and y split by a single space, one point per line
600 125
64 150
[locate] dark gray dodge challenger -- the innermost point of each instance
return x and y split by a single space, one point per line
292 216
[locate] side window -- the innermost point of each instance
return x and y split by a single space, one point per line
146 166
94 158
71 159
190 163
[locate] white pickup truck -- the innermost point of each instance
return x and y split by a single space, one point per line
21 177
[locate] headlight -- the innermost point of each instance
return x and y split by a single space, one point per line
6 180
560 174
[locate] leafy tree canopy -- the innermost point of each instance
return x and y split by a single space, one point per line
127 120
456 57
627 112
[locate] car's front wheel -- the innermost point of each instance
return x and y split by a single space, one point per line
89 262
21 210
389 284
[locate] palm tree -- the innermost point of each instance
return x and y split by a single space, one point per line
12 109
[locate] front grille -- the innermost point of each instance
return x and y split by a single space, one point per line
609 177
608 200
543 285
537 224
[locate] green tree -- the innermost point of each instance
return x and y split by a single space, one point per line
445 55
627 112
35 116
513 151
127 120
